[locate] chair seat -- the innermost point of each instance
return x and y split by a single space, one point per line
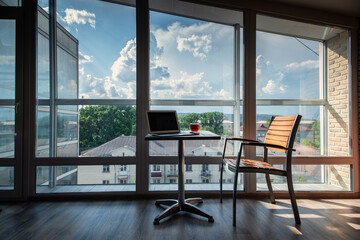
250 165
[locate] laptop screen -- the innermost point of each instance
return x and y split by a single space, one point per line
162 122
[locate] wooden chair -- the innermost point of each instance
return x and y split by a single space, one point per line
280 137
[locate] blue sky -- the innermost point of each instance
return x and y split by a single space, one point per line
190 59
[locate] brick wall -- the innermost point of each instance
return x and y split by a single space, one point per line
339 105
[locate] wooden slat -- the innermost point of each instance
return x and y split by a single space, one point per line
282 128
277 133
282 123
277 138
283 144
285 118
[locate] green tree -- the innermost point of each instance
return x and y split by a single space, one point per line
213 121
185 120
210 121
100 124
315 127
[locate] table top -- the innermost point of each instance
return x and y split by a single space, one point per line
203 135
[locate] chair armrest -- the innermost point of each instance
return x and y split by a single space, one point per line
236 139
241 139
268 145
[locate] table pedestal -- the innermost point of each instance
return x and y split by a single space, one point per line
181 204
175 206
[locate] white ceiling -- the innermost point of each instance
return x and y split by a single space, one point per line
346 7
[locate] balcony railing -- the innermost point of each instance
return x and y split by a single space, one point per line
172 173
156 174
206 173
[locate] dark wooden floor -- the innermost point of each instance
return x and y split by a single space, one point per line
257 219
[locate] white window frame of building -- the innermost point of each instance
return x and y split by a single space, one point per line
189 181
123 168
188 167
156 168
205 180
172 181
156 181
106 168
122 181
105 182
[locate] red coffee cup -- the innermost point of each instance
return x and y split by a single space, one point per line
194 127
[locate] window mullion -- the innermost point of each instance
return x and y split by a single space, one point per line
250 90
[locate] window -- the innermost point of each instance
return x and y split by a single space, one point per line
156 168
205 180
86 99
188 167
304 69
87 84
106 168
56 180
196 69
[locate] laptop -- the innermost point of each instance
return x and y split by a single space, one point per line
161 122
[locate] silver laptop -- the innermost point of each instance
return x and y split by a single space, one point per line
162 122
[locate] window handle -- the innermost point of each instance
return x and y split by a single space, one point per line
17 105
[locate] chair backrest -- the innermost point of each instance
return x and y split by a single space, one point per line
282 131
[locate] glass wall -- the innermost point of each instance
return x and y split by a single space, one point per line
86 86
7 88
85 178
193 71
304 69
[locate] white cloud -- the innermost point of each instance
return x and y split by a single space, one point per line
85 58
124 68
197 45
309 64
7 59
268 80
79 17
187 86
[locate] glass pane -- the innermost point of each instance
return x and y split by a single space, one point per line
164 177
7 59
67 131
287 67
6 178
190 59
7 132
44 4
95 178
305 61
309 134
43 20
10 3
67 75
311 178
43 132
43 67
107 131
98 50
219 120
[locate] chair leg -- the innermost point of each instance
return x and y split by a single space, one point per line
271 193
234 197
221 181
293 199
